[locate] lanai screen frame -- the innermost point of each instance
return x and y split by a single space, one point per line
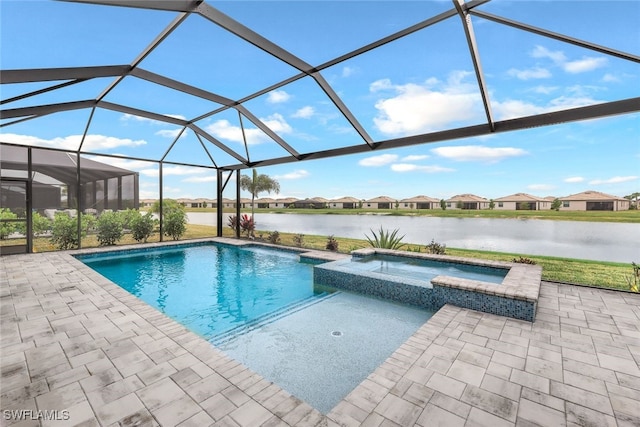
184 8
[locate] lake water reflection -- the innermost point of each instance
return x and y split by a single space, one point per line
601 241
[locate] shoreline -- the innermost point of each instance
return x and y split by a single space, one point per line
629 216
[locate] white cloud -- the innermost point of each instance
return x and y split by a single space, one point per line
614 180
510 109
471 153
532 73
348 71
305 112
296 174
211 178
610 78
223 129
72 142
574 179
414 157
587 63
542 52
172 133
175 170
541 187
546 90
381 160
382 84
420 108
277 123
278 96
409 167
583 65
130 117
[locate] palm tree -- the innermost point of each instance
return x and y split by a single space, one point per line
258 184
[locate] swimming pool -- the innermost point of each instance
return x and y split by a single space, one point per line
261 307
192 284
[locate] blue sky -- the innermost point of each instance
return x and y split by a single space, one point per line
418 84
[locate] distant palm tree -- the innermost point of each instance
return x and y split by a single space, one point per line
258 184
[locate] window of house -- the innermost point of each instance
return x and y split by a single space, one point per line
449 204
565 204
500 204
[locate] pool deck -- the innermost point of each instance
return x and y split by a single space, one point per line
73 342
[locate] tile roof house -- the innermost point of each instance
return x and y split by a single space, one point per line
522 201
420 202
380 202
467 201
312 203
347 202
593 201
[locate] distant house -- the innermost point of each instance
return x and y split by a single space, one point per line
147 203
420 202
344 203
268 202
312 203
593 201
380 202
522 202
264 202
284 202
227 203
245 202
467 201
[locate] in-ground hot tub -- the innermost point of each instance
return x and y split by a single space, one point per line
431 281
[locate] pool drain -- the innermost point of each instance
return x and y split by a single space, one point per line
336 333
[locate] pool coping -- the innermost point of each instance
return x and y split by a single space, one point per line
72 338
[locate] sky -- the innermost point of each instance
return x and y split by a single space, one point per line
422 83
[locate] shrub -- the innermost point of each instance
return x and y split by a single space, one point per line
64 233
110 229
332 244
298 240
274 237
39 224
523 260
556 204
443 205
436 248
385 239
168 206
89 223
142 227
247 224
233 222
6 228
175 223
128 217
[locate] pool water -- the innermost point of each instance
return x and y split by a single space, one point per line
261 307
423 269
214 288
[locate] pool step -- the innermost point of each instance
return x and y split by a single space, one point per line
270 318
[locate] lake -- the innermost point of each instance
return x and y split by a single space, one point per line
602 241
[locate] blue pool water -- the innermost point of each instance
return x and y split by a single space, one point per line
210 289
423 269
260 306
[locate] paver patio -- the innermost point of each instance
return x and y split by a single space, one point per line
73 341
